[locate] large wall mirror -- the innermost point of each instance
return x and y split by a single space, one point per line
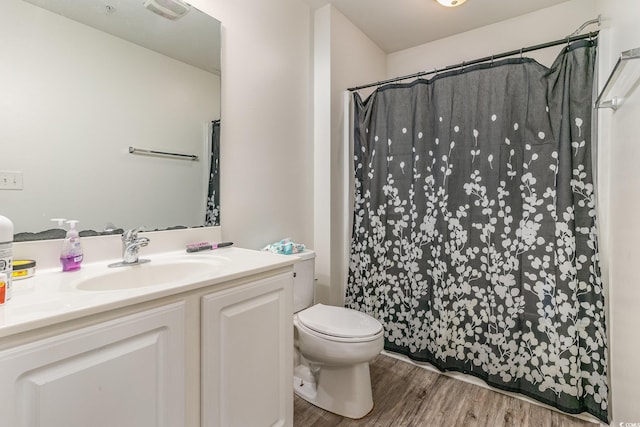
81 83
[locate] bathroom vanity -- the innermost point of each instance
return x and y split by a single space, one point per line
202 340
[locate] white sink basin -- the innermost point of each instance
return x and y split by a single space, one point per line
154 273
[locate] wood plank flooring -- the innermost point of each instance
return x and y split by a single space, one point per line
406 395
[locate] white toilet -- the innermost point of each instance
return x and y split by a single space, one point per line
333 347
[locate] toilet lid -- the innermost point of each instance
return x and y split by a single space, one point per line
339 321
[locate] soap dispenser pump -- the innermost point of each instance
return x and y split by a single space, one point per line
60 222
71 255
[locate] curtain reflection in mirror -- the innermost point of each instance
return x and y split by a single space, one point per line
213 197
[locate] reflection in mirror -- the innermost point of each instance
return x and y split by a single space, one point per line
81 82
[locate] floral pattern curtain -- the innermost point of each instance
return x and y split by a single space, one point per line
212 215
474 239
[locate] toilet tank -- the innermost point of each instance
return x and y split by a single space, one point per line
303 280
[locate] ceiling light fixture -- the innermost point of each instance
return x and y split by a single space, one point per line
451 3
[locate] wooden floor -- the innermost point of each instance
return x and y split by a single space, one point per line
406 395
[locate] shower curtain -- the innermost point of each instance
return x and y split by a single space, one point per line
474 230
212 215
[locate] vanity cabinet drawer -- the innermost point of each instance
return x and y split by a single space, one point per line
127 372
246 355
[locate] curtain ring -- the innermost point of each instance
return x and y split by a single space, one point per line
492 60
462 68
521 53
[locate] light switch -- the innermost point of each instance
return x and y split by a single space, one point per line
10 180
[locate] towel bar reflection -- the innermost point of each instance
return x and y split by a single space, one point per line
143 151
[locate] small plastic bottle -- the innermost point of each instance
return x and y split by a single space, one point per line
71 255
3 288
6 252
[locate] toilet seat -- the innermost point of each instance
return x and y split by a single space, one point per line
339 323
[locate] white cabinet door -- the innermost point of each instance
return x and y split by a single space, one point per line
127 372
247 355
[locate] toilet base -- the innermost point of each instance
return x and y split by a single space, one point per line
344 391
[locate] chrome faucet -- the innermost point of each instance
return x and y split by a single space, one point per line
131 244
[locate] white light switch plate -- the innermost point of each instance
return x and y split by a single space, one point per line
10 180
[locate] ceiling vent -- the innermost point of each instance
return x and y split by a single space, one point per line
170 9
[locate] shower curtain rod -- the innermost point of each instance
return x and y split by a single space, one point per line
491 58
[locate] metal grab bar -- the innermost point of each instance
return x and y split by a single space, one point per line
133 150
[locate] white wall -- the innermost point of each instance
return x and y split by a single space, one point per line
322 160
73 151
542 26
344 57
620 208
266 150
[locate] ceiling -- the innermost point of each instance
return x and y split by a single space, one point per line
193 39
400 24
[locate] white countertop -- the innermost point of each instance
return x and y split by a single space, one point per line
51 296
